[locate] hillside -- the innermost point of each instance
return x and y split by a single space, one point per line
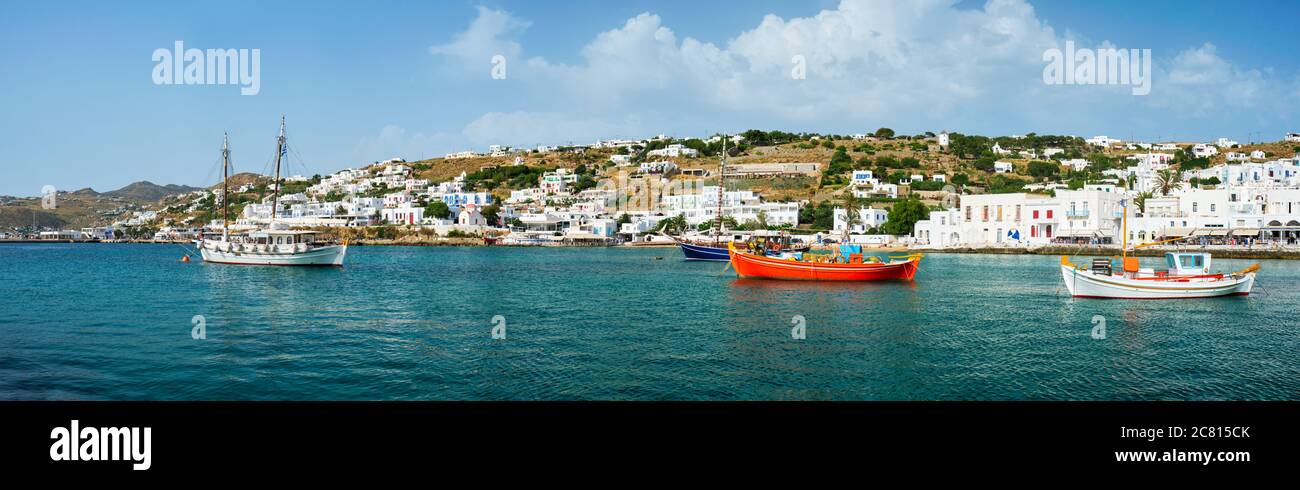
148 191
85 207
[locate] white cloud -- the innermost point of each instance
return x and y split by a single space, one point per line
916 66
395 141
528 129
487 36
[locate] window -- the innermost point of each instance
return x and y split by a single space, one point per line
1017 212
1211 207
1049 216
999 212
967 213
986 213
1194 207
1035 214
1033 231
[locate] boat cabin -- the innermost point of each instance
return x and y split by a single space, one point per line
1187 263
281 237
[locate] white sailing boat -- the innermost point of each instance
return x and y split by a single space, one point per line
275 245
1187 276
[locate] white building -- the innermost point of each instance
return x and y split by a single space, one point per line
664 167
863 178
743 206
557 181
1076 164
404 214
461 154
1003 167
1024 219
471 216
675 150
1102 141
1204 150
868 218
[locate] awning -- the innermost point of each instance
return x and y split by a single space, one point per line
1175 232
1201 232
1075 233
1218 232
1245 231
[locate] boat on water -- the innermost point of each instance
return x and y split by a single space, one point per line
717 250
816 267
772 242
703 252
1187 275
274 245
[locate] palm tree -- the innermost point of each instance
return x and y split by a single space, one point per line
851 207
1141 201
1167 180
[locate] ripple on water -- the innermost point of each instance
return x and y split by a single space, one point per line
114 322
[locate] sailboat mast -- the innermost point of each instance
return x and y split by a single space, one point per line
722 176
1123 251
279 153
225 187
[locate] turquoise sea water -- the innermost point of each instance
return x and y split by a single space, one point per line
101 321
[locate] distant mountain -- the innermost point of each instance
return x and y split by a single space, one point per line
149 191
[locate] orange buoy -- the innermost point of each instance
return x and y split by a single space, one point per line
185 258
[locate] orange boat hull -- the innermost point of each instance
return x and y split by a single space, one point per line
751 266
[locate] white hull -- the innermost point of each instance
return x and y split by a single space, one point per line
224 253
1088 285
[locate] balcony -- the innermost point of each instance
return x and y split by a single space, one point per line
1077 214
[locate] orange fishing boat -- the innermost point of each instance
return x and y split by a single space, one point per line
754 266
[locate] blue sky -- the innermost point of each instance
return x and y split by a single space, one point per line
362 82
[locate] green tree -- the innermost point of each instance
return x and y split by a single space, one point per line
438 209
904 215
1043 170
492 214
884 133
1167 180
674 224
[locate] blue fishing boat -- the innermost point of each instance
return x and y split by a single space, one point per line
702 252
717 252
